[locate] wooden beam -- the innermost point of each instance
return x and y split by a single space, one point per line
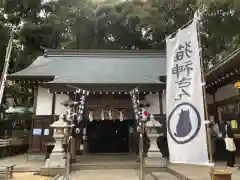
105 87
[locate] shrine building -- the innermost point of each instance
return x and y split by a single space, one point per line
223 94
108 76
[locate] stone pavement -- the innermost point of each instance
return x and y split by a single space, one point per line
157 176
28 176
21 163
114 174
194 172
162 176
117 174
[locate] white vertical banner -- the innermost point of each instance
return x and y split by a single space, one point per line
185 108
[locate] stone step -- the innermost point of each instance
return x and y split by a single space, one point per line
92 166
135 166
117 174
112 174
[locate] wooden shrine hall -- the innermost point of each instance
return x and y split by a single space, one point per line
108 76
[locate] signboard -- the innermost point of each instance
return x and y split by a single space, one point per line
185 109
46 132
37 131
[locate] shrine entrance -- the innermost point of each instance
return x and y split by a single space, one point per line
109 136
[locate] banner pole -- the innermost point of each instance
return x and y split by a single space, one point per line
6 66
209 139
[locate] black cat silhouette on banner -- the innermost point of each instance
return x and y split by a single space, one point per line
185 108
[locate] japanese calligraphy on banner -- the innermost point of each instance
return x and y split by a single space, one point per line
185 109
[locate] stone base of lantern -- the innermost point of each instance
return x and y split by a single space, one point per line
54 165
154 159
56 160
51 171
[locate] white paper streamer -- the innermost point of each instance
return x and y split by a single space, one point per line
90 116
121 116
110 114
102 115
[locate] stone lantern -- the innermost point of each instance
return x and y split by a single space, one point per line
57 157
154 155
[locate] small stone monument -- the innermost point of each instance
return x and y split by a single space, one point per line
154 155
57 157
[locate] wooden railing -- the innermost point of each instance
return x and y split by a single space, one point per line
4 142
14 136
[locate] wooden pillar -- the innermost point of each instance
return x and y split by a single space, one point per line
73 141
215 107
35 94
77 145
216 113
161 102
73 149
53 103
78 125
85 141
85 123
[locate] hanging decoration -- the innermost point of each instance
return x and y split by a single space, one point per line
77 130
68 114
110 114
136 106
102 115
90 116
105 93
226 76
84 133
78 109
136 103
81 106
121 116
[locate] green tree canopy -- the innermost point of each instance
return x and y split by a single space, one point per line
112 24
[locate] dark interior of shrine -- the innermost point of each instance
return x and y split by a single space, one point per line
108 136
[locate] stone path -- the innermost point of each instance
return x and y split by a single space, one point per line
117 174
163 176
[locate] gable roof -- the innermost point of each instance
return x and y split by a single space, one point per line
96 66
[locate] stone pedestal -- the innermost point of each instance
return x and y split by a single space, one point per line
57 157
154 155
